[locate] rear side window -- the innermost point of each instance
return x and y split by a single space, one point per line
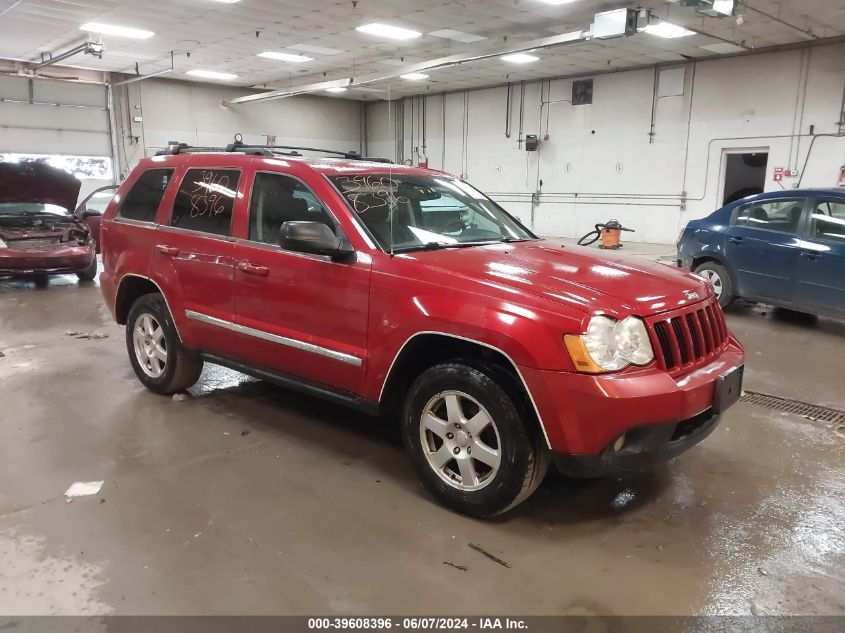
141 203
205 200
829 221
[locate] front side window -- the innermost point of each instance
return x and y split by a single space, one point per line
277 199
405 212
782 216
205 200
829 220
142 200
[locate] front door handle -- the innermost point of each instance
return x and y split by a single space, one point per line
170 251
252 269
735 240
813 257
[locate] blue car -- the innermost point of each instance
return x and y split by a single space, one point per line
786 248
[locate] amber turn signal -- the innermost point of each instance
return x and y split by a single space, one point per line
582 360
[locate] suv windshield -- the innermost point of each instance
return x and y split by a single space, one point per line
405 212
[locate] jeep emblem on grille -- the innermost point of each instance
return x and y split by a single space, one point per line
691 295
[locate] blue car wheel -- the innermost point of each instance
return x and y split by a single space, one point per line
721 280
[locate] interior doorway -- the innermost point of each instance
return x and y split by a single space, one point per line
744 174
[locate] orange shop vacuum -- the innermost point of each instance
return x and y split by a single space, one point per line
610 234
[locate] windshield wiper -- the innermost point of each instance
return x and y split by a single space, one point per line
434 246
510 239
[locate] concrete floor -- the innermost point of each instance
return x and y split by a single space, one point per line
247 499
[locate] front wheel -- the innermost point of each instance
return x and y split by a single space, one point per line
89 273
721 280
160 361
472 440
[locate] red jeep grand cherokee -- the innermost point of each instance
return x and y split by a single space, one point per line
405 291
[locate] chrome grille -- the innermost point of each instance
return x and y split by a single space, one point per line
685 338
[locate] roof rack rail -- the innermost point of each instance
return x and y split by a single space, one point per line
174 149
294 149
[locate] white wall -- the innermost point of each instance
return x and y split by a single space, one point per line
598 162
193 113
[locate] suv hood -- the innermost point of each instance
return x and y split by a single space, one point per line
38 183
573 275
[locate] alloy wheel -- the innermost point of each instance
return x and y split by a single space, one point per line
460 440
150 345
713 277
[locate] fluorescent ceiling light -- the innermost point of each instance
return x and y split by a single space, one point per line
212 74
336 89
227 1
385 30
113 29
320 50
414 76
557 1
286 57
520 58
667 29
458 36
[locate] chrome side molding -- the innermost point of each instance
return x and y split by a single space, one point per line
349 359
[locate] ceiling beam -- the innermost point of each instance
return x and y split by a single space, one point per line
441 62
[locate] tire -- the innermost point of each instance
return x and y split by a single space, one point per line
480 389
721 279
89 273
179 368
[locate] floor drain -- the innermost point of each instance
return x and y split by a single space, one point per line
796 407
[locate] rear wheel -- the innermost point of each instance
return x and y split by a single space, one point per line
721 280
160 361
471 439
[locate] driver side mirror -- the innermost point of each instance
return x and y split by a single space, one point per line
314 238
88 213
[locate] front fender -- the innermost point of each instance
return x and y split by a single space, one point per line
528 333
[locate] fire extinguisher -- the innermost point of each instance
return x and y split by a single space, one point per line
610 234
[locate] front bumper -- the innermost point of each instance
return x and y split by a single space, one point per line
583 415
644 447
60 260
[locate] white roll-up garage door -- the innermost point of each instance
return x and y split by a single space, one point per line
64 122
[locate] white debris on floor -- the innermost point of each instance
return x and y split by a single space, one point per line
84 488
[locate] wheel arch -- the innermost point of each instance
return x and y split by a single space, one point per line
703 258
426 349
131 287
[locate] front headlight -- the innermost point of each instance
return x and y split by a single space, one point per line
3 244
609 345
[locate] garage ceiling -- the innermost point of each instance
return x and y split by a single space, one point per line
226 37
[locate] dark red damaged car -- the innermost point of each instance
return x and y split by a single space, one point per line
39 234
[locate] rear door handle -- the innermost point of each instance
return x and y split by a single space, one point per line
170 251
252 269
735 240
